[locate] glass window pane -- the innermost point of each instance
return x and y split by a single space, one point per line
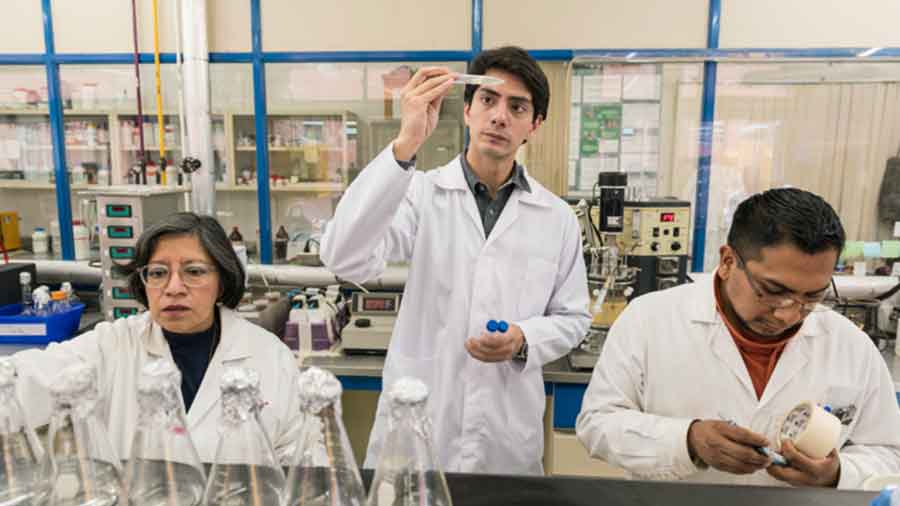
832 128
26 153
326 122
637 118
102 135
234 136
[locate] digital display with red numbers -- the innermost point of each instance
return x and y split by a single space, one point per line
667 217
378 304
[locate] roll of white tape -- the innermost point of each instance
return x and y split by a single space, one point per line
812 430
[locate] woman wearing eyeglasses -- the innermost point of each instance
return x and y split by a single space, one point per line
187 275
693 382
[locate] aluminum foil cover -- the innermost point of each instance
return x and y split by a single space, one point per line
318 390
241 398
75 387
158 391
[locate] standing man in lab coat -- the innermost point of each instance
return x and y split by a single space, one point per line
484 240
693 379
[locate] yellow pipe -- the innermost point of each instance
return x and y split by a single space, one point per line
159 103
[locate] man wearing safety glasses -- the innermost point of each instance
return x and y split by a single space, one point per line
693 382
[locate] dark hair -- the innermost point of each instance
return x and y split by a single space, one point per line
213 239
517 62
785 215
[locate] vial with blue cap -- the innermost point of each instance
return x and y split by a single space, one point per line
889 496
497 326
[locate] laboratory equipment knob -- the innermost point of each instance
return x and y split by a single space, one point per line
190 164
676 246
654 246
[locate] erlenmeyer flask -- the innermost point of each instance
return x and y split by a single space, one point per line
407 473
323 471
23 480
246 471
86 470
164 469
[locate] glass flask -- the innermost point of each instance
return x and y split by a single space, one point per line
324 470
164 469
407 473
23 479
246 471
86 470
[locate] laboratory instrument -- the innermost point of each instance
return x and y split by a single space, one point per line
124 212
85 467
164 468
323 470
10 287
478 80
407 473
23 477
372 322
245 470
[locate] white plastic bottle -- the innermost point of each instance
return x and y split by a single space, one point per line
55 238
40 241
78 174
171 175
82 240
103 176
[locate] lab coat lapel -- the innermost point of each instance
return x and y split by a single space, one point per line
511 210
793 360
507 217
450 178
155 342
232 348
725 350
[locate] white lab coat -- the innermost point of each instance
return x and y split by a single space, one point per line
120 349
669 359
487 417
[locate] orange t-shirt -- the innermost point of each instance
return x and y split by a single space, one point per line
760 358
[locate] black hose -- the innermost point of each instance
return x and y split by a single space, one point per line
886 295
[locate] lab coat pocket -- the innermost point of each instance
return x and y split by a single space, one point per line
537 286
524 402
843 400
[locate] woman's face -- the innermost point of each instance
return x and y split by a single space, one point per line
182 284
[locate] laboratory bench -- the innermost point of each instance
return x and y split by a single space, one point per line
493 490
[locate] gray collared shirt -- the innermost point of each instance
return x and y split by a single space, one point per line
489 208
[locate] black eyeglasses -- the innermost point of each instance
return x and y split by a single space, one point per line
774 302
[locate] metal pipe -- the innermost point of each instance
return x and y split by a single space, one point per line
161 126
80 273
198 122
140 108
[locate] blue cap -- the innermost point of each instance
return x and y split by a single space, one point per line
492 325
502 326
827 408
884 498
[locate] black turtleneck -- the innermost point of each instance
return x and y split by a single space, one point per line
192 353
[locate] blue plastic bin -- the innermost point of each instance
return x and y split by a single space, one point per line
38 330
